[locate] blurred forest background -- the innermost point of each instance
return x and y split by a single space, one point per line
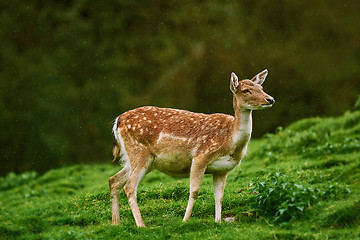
68 68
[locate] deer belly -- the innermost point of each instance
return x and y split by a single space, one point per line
222 165
177 165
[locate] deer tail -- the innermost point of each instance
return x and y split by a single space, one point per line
116 148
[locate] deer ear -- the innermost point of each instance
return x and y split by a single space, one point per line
234 82
260 78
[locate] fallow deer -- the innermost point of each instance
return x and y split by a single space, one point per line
184 144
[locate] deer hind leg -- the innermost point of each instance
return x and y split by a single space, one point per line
219 186
138 171
116 183
196 174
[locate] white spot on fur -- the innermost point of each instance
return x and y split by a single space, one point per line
166 136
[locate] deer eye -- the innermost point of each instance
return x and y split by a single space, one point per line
246 91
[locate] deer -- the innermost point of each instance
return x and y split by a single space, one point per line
181 143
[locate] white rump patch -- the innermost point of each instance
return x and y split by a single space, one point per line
120 141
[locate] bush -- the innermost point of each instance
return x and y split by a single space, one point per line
285 200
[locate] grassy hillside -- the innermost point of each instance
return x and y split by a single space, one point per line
301 183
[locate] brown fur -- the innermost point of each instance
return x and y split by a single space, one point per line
150 121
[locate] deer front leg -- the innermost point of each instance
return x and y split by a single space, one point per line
196 174
219 186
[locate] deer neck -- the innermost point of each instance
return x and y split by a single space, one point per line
242 125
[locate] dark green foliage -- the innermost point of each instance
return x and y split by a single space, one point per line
281 198
286 200
68 68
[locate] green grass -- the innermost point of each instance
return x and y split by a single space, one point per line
301 183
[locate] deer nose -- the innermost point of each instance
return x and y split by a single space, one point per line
270 100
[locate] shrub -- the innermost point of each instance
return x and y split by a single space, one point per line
285 200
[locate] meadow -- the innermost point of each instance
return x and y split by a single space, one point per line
302 182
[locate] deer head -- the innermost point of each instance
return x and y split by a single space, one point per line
249 94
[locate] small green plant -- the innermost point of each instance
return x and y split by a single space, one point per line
285 200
